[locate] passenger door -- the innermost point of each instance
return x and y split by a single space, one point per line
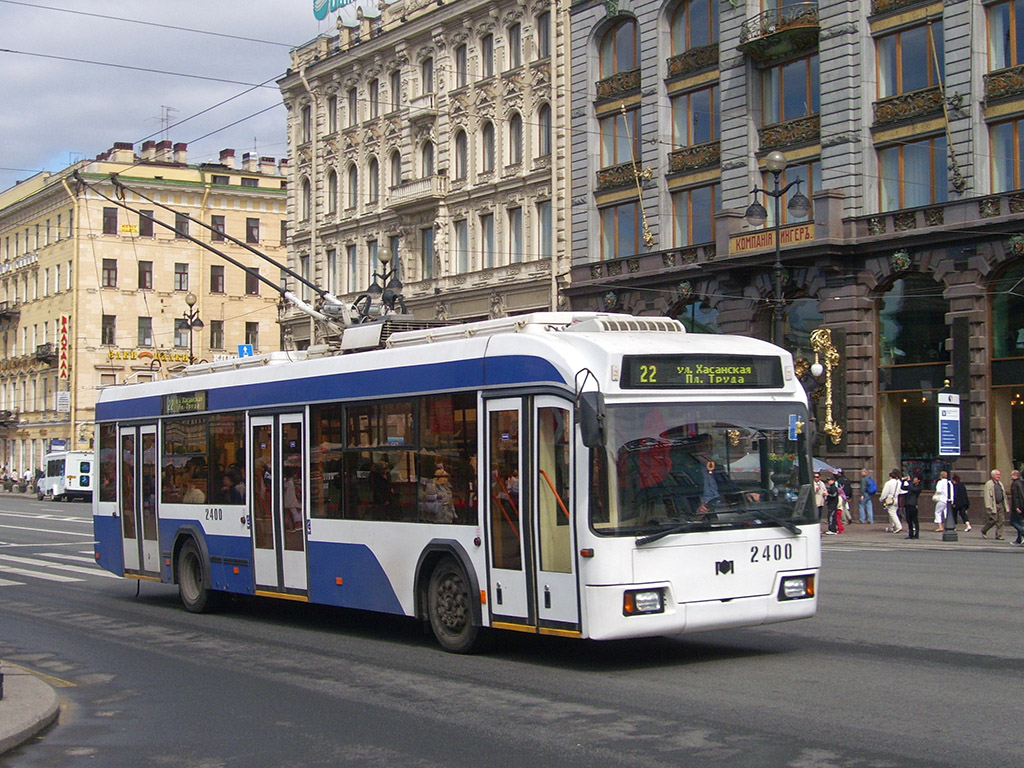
529 516
138 500
278 512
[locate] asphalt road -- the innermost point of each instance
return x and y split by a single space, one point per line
915 659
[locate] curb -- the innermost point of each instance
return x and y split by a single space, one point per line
28 707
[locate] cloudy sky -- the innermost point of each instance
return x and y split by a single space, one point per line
79 75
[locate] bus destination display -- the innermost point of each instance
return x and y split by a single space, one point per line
701 372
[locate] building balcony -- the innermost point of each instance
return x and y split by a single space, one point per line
46 353
694 157
9 310
780 32
908 106
1004 83
419 193
801 130
423 108
619 84
616 176
693 60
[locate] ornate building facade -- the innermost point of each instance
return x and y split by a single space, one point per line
93 295
902 121
429 144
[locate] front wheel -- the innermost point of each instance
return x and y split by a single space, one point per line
449 608
192 579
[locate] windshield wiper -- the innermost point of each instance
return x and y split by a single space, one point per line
681 528
789 525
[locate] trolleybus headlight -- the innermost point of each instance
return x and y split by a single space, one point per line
796 587
636 601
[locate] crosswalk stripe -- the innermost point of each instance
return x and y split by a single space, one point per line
93 571
6 583
69 558
38 574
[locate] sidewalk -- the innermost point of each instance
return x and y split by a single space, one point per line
874 533
29 705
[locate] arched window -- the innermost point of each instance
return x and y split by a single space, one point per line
544 130
373 180
618 50
487 148
515 139
332 192
461 155
353 186
396 169
427 156
305 201
694 25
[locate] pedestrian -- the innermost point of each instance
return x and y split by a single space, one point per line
832 505
890 499
995 505
845 494
943 498
868 489
1017 505
910 501
819 495
961 503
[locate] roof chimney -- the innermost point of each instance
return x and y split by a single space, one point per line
181 153
122 152
227 157
250 163
267 165
163 151
148 151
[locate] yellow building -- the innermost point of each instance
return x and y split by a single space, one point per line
92 294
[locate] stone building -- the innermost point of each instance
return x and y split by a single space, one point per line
902 121
428 145
93 295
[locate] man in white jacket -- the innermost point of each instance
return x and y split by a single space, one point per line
943 498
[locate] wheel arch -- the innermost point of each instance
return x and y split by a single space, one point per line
429 557
183 535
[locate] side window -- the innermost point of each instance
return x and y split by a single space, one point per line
185 469
108 462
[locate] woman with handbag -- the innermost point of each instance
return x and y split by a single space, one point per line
891 501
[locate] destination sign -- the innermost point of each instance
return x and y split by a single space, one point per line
184 402
701 372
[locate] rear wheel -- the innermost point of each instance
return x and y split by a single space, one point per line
450 609
192 579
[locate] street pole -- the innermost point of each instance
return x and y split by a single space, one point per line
756 216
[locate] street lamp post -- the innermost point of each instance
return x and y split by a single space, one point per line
756 216
390 296
190 321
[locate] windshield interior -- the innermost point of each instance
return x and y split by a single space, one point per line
697 466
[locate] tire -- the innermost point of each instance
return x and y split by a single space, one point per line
449 608
192 579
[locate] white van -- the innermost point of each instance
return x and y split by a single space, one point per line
68 475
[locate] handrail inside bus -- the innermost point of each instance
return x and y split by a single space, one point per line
497 499
558 498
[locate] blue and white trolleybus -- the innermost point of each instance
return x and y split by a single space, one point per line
585 475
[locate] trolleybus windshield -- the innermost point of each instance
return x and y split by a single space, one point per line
701 466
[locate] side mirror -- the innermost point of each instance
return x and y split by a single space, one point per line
590 417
